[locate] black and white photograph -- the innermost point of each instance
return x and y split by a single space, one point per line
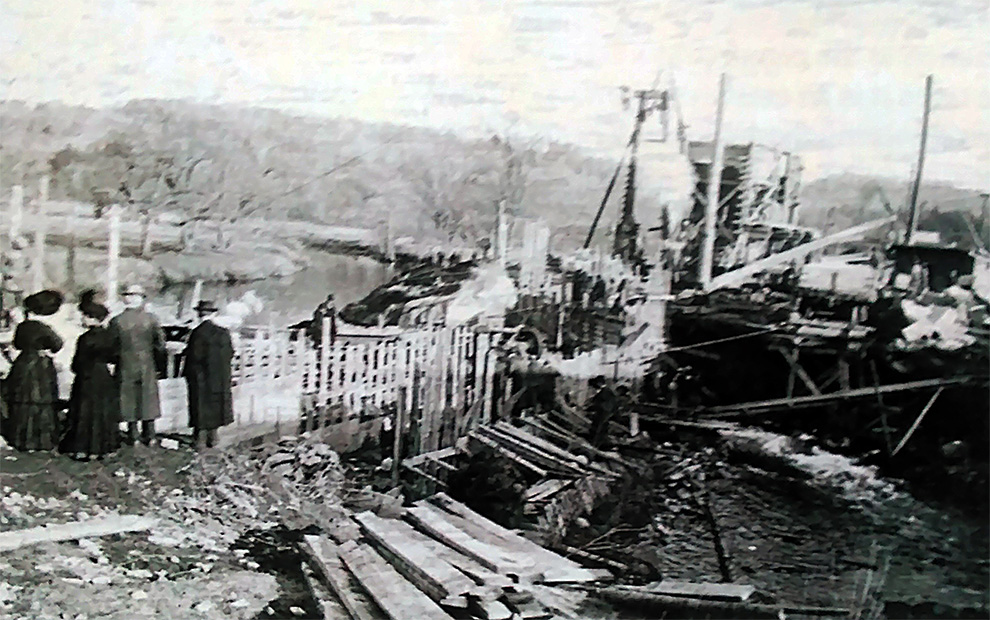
494 309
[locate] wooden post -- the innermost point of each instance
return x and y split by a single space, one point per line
113 260
916 187
16 211
41 212
714 181
400 427
322 392
917 422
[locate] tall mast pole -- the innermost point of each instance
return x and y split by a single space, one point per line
714 180
913 217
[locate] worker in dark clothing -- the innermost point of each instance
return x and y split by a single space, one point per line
604 404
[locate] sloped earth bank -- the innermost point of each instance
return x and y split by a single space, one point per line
797 522
223 547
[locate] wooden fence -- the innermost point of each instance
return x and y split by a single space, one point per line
436 382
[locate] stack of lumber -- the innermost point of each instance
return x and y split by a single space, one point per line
441 560
536 453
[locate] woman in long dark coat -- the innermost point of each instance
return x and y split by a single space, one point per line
31 388
94 405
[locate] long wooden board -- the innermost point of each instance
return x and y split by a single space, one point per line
430 519
75 530
399 599
414 559
324 555
553 567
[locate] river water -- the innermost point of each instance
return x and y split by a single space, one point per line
289 300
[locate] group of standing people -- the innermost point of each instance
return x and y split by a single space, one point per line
116 367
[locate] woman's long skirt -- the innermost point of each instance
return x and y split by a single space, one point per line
31 392
94 415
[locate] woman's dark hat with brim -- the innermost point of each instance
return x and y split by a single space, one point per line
93 310
206 307
44 303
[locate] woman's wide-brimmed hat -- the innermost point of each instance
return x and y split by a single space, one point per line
44 303
95 311
206 307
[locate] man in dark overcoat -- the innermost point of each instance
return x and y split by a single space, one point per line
207 372
139 343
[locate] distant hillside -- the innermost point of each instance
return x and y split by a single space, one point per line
227 162
840 201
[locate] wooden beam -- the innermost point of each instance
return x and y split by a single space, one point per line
430 477
494 445
811 401
74 530
399 543
324 599
917 422
324 556
443 453
796 368
433 521
398 598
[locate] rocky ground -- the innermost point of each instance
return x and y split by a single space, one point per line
797 522
222 546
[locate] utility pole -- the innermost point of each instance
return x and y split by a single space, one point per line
714 180
913 216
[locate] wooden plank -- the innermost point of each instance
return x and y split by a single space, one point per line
545 489
432 521
327 561
710 591
917 422
399 599
555 568
72 531
494 445
430 477
329 606
532 453
438 454
487 585
538 441
413 559
811 401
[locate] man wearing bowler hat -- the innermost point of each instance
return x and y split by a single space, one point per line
207 373
139 343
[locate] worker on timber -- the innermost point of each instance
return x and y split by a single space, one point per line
208 375
604 405
919 279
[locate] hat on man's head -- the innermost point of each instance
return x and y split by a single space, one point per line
206 307
44 303
134 289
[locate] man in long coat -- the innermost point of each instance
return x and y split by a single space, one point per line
139 343
207 373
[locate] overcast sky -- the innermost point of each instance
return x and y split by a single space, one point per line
839 81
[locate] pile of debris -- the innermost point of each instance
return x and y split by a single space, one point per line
297 481
441 559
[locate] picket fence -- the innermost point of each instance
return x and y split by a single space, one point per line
440 377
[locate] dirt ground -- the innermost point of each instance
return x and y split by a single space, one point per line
800 527
187 566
